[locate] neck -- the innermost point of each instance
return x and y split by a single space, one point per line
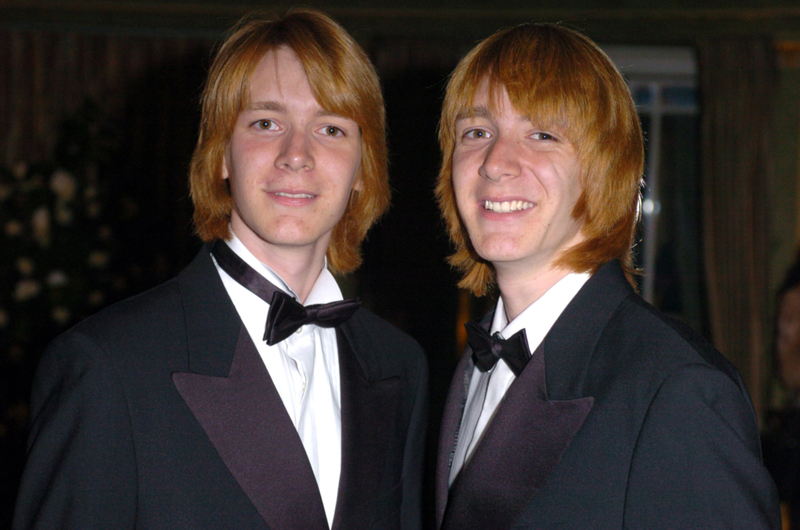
298 266
521 288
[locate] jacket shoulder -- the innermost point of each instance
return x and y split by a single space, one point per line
146 312
671 341
151 316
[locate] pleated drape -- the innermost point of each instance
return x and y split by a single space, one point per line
738 83
46 76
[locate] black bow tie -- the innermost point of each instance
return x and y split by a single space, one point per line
488 349
286 315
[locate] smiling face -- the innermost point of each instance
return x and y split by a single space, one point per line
515 185
290 164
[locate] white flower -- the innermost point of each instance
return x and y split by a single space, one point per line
13 228
63 184
25 265
41 225
19 170
3 317
60 315
26 289
98 259
57 278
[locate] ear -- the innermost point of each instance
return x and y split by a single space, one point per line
225 170
358 183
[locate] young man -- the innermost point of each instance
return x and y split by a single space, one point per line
577 405
177 408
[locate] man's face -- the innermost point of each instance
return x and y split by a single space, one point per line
515 186
291 165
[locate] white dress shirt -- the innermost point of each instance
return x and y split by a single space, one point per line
487 389
304 369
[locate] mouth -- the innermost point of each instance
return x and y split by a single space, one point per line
506 206
294 195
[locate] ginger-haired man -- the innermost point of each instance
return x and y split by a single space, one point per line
577 404
179 408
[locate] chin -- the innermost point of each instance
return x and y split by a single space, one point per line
500 251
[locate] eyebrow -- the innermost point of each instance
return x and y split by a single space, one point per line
280 107
482 112
267 105
474 112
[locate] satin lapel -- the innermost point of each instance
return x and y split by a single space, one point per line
519 450
369 426
245 419
230 393
448 433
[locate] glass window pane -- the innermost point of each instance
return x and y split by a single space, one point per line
679 96
642 95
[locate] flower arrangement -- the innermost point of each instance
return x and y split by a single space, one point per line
57 239
57 246
58 263
92 224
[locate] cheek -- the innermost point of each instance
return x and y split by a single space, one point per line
234 164
459 168
458 178
459 193
464 157
345 165
569 188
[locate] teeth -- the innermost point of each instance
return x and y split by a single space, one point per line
507 206
294 195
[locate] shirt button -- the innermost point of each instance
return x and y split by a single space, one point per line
299 330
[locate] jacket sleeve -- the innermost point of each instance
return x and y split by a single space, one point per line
697 460
81 469
414 457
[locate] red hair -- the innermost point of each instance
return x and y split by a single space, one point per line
343 81
563 79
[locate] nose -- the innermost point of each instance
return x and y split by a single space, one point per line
295 153
501 159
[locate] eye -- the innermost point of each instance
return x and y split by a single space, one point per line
264 125
332 130
476 133
543 136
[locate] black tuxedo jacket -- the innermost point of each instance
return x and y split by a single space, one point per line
159 413
622 419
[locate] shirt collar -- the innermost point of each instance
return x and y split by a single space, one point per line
539 317
324 290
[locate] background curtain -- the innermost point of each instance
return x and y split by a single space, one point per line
47 76
96 132
737 81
